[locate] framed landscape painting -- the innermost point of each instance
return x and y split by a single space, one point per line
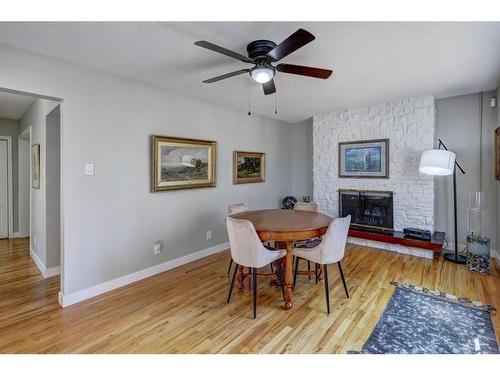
181 163
364 159
35 166
248 167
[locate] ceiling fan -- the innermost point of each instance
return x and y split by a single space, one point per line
262 53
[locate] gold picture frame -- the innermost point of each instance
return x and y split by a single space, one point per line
182 163
248 167
35 166
497 153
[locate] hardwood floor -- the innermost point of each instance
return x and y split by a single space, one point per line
184 310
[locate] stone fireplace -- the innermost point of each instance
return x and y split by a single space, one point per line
370 210
410 125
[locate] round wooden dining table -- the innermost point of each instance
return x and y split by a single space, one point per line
286 226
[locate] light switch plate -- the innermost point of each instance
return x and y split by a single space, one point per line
89 169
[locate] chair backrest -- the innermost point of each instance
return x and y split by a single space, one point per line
306 206
246 247
236 208
332 246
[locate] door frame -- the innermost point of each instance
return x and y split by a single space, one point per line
10 197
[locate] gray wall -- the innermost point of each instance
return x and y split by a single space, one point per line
111 220
24 183
302 159
459 126
52 193
496 229
11 128
35 117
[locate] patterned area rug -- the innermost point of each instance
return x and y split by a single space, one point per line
421 321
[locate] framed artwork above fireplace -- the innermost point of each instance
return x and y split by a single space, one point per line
364 159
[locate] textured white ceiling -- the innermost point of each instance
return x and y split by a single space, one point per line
372 62
13 106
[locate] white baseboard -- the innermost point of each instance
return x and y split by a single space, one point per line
38 262
70 299
18 235
46 272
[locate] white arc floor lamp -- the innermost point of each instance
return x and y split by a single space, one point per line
443 163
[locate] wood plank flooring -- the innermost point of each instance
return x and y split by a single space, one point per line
184 310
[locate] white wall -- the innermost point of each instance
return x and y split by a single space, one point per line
111 220
459 127
410 126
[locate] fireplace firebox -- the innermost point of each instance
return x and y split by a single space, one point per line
369 210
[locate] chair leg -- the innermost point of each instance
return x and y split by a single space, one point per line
309 269
316 271
229 268
327 291
232 282
254 284
296 269
343 279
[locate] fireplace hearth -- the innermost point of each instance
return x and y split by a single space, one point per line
370 210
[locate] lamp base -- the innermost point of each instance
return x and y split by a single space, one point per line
451 257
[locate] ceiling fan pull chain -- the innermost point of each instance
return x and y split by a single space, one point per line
276 103
249 112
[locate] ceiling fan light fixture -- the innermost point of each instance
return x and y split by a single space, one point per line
262 73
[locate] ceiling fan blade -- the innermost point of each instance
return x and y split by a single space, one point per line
269 87
224 51
308 71
298 39
227 75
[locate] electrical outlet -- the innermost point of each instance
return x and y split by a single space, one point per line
34 240
157 248
209 235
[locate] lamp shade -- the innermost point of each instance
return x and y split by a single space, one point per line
437 162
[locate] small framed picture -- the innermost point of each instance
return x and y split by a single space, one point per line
497 153
181 163
35 166
364 159
248 167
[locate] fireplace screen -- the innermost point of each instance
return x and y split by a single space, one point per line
368 209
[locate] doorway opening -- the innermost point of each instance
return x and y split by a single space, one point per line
30 186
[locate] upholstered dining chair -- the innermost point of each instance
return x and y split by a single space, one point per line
330 250
313 207
236 208
248 251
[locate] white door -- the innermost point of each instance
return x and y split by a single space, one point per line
4 191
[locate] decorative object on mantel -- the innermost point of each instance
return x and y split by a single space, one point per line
248 167
288 202
35 166
478 243
422 321
497 153
181 163
364 159
443 163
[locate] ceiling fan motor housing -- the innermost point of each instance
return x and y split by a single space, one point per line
258 49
